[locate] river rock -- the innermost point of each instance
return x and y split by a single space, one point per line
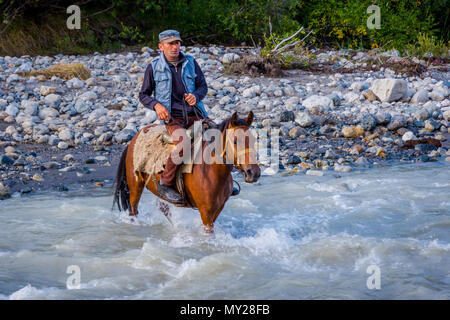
317 104
74 83
368 122
37 177
124 136
30 107
230 57
326 129
388 90
4 192
312 172
437 94
293 159
248 93
46 90
342 168
329 154
287 116
383 117
82 106
52 100
408 135
65 135
304 119
63 145
10 130
369 95
68 157
6 160
351 97
296 132
397 121
431 125
335 98
12 109
46 113
421 115
352 131
88 95
421 96
446 115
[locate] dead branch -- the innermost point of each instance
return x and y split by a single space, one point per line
287 39
288 46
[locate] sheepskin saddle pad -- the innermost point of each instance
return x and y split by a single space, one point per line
153 147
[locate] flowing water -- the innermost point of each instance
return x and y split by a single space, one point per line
381 233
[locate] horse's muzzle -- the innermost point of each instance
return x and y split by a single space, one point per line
252 174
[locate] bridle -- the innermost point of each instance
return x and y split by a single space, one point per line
237 153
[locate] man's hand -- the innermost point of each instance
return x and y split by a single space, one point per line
162 112
190 98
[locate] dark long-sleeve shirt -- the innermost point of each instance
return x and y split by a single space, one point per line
178 89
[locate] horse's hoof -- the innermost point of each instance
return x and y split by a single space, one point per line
209 230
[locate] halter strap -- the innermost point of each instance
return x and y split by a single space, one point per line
239 153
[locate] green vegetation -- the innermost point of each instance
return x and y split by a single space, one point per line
414 27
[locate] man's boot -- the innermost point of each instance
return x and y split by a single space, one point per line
169 193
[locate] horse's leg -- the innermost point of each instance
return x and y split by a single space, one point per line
207 215
218 212
165 209
136 186
136 183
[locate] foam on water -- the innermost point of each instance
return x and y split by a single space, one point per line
283 238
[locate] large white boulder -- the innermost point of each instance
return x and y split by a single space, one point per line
388 90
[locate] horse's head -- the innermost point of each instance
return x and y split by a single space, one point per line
239 146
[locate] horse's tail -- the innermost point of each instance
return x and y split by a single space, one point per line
122 194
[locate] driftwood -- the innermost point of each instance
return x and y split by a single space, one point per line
410 144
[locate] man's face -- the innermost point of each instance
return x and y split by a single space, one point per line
170 49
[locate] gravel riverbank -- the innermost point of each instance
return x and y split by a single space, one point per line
56 132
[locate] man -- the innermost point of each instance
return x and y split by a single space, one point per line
179 86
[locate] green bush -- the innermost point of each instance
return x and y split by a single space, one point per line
114 23
428 47
344 23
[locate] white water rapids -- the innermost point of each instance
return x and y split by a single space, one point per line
294 237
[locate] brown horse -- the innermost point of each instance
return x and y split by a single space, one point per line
209 186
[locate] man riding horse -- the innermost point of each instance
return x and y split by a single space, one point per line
179 86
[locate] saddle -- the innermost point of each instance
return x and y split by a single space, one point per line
153 147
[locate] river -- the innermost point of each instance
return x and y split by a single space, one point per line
379 233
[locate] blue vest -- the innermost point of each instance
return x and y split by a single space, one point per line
163 80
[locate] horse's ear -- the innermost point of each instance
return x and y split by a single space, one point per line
249 118
234 119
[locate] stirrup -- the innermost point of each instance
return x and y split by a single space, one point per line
236 191
169 193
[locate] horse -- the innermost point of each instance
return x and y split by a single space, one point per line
208 186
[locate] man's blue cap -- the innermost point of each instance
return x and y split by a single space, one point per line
169 36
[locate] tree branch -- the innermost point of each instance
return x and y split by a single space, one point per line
287 39
274 52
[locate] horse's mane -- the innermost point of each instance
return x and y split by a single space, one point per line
225 123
